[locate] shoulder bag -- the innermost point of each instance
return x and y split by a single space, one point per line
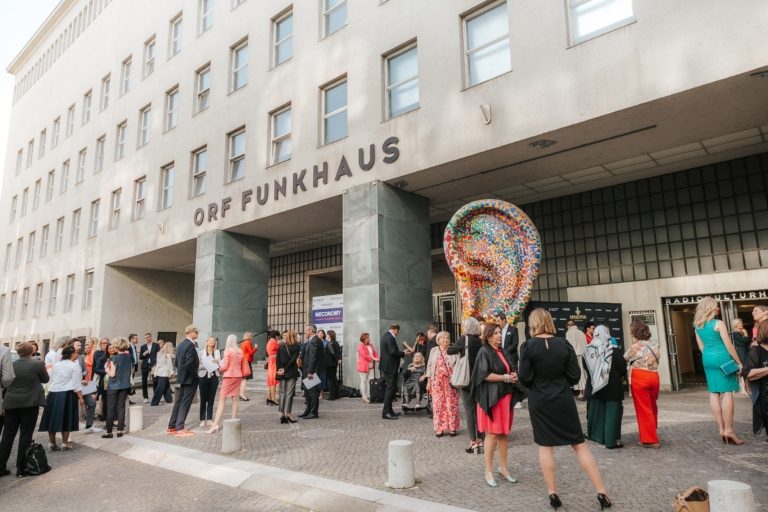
693 499
460 376
245 368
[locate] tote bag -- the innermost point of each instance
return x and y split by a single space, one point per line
460 377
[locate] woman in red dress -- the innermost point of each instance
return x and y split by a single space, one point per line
492 380
272 347
445 399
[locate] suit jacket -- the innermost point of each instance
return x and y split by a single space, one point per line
390 354
332 354
510 343
150 359
187 362
311 356
134 351
26 390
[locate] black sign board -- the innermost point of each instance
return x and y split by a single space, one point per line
581 313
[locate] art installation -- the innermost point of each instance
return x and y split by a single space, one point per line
494 252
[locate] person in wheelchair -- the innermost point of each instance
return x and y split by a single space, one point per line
415 381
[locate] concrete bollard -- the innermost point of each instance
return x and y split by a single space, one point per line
401 472
730 496
136 418
232 440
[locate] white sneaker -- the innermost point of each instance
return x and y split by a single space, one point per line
519 405
94 430
146 400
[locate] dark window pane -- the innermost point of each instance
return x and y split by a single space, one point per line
718 244
613 242
702 229
706 265
665 269
697 194
686 213
674 232
688 231
752 259
703 247
692 266
663 250
637 238
616 275
652 270
640 272
676 248
627 274
605 276
721 263
650 253
749 241
733 242
690 248
716 227
736 261
649 237
731 224
594 276
678 268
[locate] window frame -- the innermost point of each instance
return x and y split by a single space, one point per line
58 241
411 45
196 175
277 140
69 129
114 207
64 184
204 15
93 218
276 21
234 72
106 84
125 75
145 125
39 292
74 229
327 115
69 298
150 56
82 156
50 185
233 159
53 296
139 204
121 129
31 240
202 94
165 199
41 143
99 153
44 235
171 117
326 12
573 40
55 132
85 115
465 19
175 37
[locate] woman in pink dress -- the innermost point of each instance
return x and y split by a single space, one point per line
445 400
492 380
272 347
231 375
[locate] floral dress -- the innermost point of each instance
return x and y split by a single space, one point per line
445 400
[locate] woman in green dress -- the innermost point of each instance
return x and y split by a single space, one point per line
717 349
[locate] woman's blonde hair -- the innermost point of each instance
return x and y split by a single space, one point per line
291 338
215 343
418 356
441 335
735 322
232 343
540 322
167 348
705 311
120 344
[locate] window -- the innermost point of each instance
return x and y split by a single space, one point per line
125 76
64 177
174 39
93 223
335 15
55 132
19 252
402 82
69 299
53 293
122 128
206 15
106 82
19 161
49 185
114 217
139 197
81 157
2 307
145 123
24 201
239 60
70 121
59 237
335 112
41 146
13 207
36 194
149 56
86 107
98 161
88 289
236 155
38 300
236 3
166 187
24 303
8 250
12 307
44 241
202 87
172 108
283 34
75 232
199 168
30 153
31 247
592 18
281 135
487 44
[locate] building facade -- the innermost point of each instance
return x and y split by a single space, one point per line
224 162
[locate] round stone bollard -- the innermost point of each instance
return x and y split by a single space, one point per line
401 472
232 440
136 418
730 496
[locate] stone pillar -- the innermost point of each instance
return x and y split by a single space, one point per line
231 279
387 266
401 474
730 496
232 437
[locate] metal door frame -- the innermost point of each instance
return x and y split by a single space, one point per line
676 377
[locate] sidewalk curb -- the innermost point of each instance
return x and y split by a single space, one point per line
292 487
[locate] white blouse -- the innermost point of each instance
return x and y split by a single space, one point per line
66 377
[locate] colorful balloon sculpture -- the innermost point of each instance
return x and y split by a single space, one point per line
494 251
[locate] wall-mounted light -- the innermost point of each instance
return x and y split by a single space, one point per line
542 143
485 109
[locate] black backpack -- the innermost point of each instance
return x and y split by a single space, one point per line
35 461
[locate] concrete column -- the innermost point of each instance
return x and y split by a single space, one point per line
231 279
387 266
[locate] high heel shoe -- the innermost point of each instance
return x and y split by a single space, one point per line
489 479
604 501
283 420
290 420
509 478
471 449
215 428
554 501
244 399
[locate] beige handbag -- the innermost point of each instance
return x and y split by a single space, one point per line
693 499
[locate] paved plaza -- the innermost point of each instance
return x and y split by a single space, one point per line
348 445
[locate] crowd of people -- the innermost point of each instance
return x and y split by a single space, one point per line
486 368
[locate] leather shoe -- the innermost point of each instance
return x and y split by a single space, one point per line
304 414
389 416
311 417
396 413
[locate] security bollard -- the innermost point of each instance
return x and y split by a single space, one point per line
401 471
730 496
232 440
136 418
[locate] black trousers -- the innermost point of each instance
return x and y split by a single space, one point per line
390 379
116 407
313 395
182 405
145 382
332 379
23 419
207 387
162 388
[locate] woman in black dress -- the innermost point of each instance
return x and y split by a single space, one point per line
756 371
548 367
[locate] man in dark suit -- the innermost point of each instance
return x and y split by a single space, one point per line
187 362
148 358
510 339
389 362
133 341
431 341
311 358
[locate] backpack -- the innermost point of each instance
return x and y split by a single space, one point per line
35 461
